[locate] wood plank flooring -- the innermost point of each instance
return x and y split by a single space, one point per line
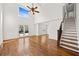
34 46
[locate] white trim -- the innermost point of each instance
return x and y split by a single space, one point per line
69 48
70 37
68 44
1 25
69 40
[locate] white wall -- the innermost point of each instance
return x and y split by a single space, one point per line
53 26
52 30
47 12
51 13
12 21
77 20
1 24
49 27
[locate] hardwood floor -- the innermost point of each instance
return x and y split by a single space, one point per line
33 46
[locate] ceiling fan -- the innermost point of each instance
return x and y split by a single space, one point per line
33 9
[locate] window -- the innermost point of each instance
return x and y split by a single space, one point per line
23 12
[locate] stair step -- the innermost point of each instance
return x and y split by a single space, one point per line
69 48
69 30
70 45
69 22
65 43
73 30
71 42
72 20
74 39
70 27
71 35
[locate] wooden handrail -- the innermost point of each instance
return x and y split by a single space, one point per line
59 34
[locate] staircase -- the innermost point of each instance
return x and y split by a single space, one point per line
69 35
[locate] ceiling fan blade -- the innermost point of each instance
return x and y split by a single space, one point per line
36 7
37 11
33 13
28 7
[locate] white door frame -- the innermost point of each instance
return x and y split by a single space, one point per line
2 22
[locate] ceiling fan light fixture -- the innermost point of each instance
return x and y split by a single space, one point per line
32 9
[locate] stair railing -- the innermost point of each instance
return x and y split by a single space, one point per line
59 34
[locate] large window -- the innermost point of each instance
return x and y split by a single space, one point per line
23 12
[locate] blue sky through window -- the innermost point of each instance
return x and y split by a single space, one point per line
23 12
